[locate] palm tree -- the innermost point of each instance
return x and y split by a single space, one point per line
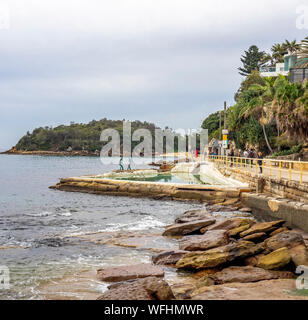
291 46
278 52
303 54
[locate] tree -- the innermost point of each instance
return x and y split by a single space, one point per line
303 54
291 46
278 51
251 60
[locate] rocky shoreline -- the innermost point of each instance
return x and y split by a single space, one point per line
222 257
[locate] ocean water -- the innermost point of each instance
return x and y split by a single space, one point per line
40 223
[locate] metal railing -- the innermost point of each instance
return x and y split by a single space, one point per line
281 169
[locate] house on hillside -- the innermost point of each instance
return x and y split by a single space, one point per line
289 66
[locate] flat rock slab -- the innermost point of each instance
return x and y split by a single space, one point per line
187 228
280 289
211 239
151 288
262 227
228 224
248 274
255 237
123 273
168 257
286 239
218 256
193 215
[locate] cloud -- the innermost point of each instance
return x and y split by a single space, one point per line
170 62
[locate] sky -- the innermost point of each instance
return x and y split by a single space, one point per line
171 62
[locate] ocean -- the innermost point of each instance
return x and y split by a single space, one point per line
40 227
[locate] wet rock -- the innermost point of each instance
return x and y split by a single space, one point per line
275 260
262 227
299 255
248 274
150 288
123 273
228 224
211 239
245 209
262 290
168 257
221 208
218 256
286 239
255 237
187 228
192 215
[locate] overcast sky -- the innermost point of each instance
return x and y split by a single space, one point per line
171 62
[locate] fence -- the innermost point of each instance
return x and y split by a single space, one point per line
281 169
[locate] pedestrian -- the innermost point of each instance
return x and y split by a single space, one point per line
251 156
260 162
245 154
231 154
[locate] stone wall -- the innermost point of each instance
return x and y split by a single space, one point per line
272 186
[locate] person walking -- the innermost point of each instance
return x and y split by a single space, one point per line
251 156
245 154
231 155
260 161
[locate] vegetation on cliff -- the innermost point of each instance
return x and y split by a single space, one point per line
76 136
270 113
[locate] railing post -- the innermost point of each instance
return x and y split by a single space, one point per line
290 172
301 174
279 169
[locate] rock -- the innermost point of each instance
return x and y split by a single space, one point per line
221 208
211 239
205 281
187 228
279 289
235 231
192 215
183 290
248 274
218 256
150 288
245 209
262 227
123 273
168 257
228 224
275 260
299 255
286 239
255 237
253 261
282 229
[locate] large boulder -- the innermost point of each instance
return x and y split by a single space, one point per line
151 288
209 240
192 215
299 255
187 228
123 273
262 227
169 258
275 260
286 239
248 274
218 256
228 224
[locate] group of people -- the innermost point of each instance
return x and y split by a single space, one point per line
248 155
